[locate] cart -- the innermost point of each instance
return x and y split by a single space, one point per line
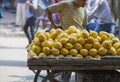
61 64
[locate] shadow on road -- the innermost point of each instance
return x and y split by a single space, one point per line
6 47
15 63
27 78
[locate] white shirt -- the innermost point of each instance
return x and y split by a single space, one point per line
29 13
99 9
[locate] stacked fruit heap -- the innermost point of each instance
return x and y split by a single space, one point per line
74 43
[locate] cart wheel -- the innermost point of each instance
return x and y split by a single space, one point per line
46 78
36 75
40 75
51 76
47 72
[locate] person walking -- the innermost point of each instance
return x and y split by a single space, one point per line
20 13
30 21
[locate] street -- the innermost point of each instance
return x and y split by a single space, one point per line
13 54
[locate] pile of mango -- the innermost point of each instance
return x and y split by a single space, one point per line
74 43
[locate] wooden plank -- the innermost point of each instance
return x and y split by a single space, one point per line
78 65
74 68
98 76
78 62
74 64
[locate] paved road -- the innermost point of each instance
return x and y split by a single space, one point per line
13 55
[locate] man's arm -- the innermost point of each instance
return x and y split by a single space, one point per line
49 15
32 4
28 3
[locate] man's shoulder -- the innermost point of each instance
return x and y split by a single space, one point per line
67 2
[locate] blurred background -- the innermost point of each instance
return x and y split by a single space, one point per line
13 42
13 54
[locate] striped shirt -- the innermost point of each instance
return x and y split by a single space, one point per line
70 14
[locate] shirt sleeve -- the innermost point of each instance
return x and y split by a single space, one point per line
104 8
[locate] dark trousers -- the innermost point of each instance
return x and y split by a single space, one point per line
105 27
29 28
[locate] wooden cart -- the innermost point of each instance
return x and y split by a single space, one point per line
57 64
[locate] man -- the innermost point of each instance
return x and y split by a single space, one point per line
100 11
71 13
30 21
20 13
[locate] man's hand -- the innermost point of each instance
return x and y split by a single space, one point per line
57 26
28 3
49 15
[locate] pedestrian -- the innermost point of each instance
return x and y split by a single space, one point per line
20 13
99 12
71 13
30 21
